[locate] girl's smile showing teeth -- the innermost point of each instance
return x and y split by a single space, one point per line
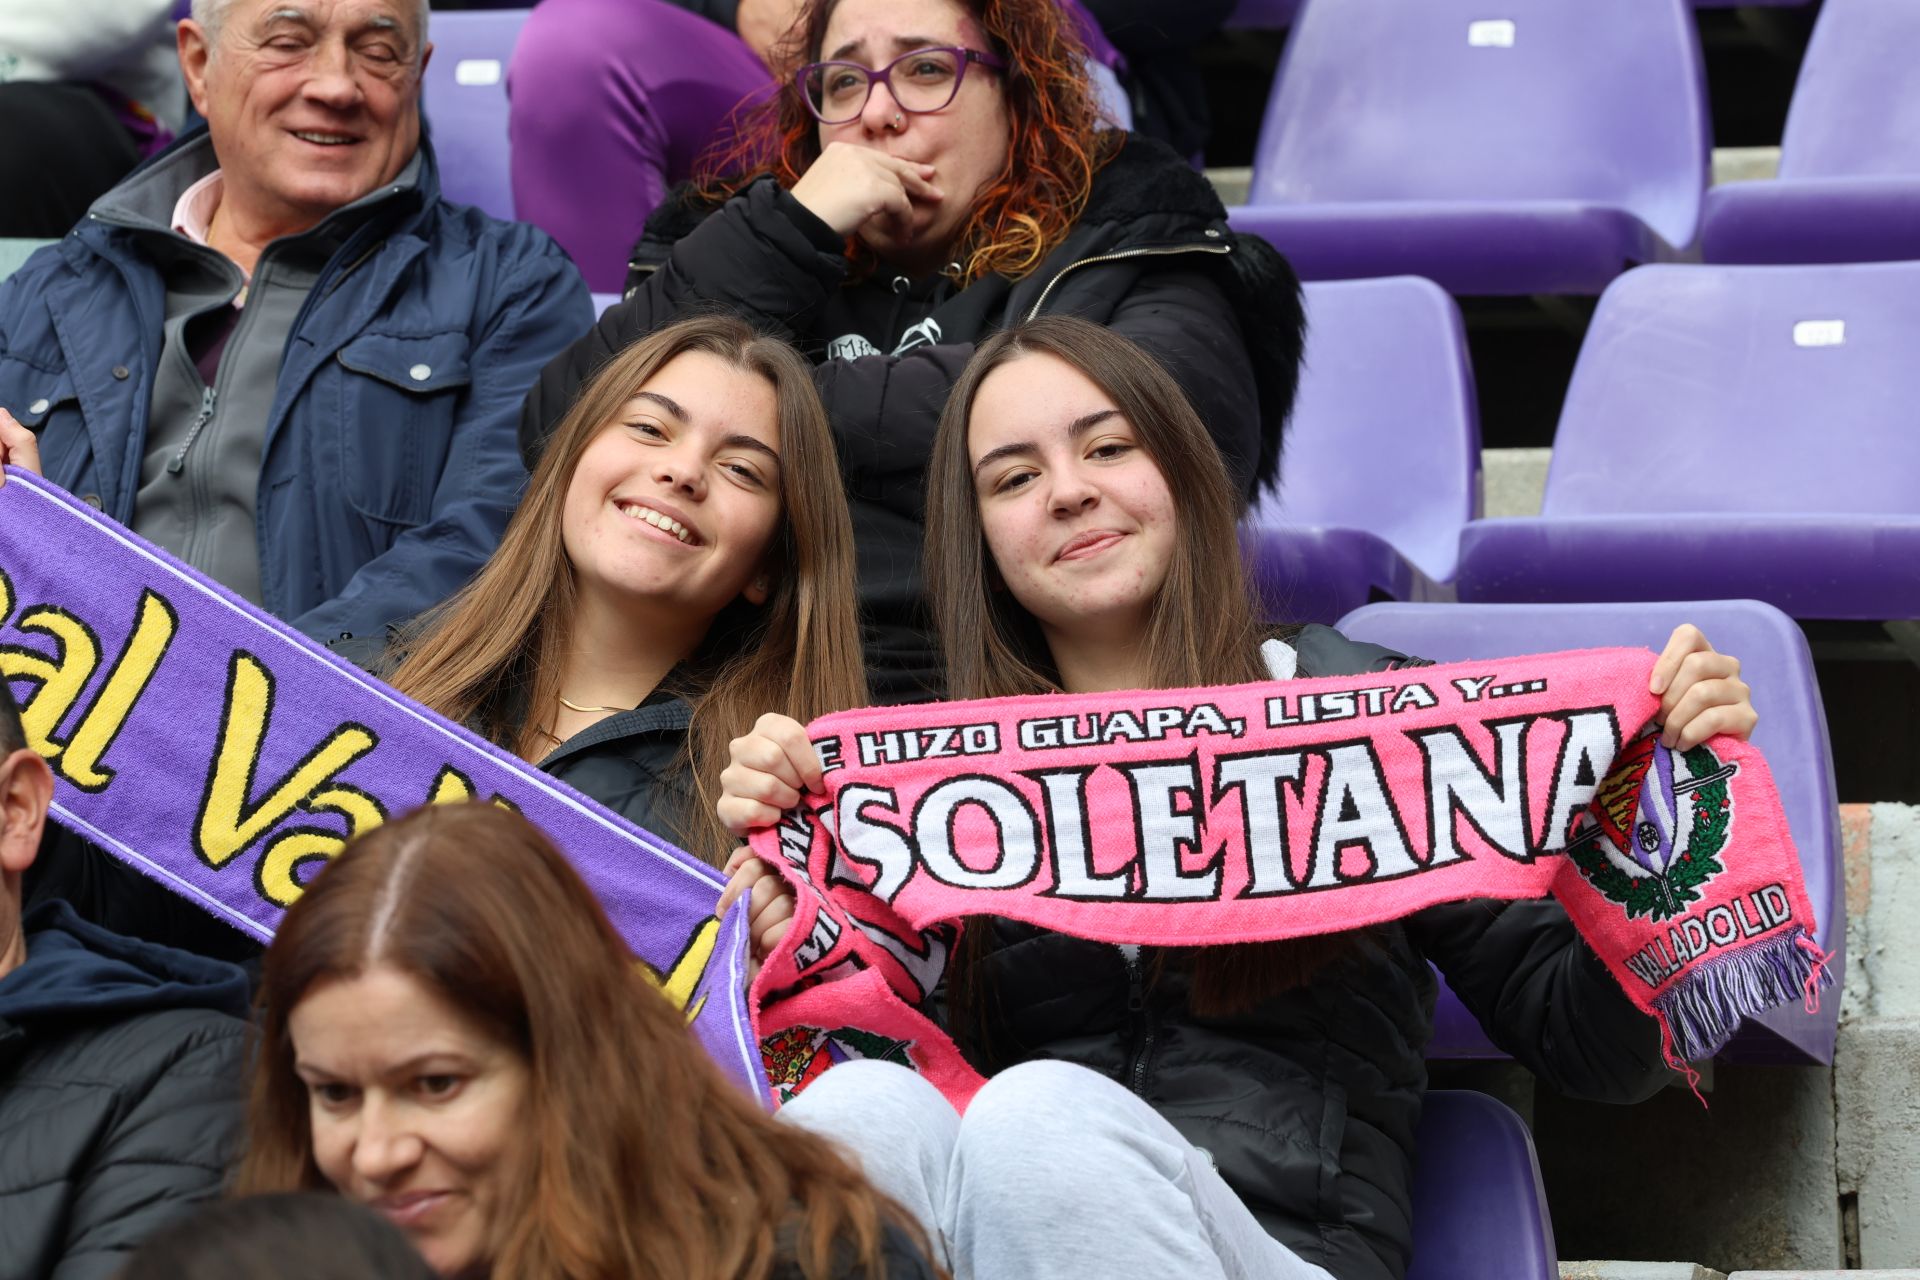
665 523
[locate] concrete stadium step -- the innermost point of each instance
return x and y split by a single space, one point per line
1730 164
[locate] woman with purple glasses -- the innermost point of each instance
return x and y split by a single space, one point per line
927 173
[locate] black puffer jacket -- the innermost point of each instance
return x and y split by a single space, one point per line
1308 1103
1151 257
122 1074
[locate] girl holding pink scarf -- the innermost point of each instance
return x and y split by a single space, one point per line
1242 1110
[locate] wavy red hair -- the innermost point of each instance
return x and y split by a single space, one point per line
1057 143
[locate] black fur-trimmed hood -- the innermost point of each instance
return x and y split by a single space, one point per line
1146 195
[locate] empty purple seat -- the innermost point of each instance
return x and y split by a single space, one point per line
1479 1210
1849 184
1792 734
1382 461
1537 146
1731 432
465 98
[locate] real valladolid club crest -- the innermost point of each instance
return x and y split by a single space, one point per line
796 1056
1655 829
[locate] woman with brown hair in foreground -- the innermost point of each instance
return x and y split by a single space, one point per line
453 1034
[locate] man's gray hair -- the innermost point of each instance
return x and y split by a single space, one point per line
211 13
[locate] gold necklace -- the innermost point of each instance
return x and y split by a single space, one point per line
574 706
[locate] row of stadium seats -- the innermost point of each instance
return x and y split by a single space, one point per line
1729 431
1255 15
1540 151
1544 150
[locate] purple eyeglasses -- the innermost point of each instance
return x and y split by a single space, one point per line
921 81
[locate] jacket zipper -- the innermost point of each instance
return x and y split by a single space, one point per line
1120 255
178 462
1139 1017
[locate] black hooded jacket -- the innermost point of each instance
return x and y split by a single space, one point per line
1151 257
1308 1102
122 1077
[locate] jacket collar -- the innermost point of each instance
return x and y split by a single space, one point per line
661 713
144 200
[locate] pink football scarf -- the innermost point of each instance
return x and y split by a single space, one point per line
1276 810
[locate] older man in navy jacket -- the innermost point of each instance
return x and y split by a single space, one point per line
275 350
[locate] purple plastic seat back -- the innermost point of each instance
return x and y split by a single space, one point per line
1529 100
1731 431
1385 434
1849 182
1479 1209
1856 106
465 99
1745 389
1792 734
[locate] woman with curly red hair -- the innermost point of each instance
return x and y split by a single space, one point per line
932 171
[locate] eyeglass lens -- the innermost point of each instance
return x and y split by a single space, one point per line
925 80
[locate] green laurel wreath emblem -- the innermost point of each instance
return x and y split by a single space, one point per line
1665 896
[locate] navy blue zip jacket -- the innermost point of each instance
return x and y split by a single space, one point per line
381 492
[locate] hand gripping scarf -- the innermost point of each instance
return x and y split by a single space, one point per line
1276 810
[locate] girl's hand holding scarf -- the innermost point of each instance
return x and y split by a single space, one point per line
771 767
1700 691
769 903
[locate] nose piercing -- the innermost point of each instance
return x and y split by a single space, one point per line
899 122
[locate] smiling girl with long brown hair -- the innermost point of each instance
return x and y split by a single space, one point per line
681 563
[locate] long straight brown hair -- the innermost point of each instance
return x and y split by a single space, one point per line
1202 628
641 1158
491 656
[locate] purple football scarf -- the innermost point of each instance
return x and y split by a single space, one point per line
228 757
1267 811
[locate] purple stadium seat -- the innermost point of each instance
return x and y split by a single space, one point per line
1537 147
1731 431
1792 734
1382 461
466 104
1479 1210
1849 184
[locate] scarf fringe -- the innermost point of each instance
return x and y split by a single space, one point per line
1705 1005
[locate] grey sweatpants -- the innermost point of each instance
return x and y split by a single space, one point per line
1054 1171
